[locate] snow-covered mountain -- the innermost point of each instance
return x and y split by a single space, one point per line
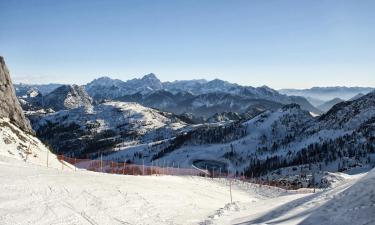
63 97
66 97
204 105
276 143
107 88
167 95
82 131
328 104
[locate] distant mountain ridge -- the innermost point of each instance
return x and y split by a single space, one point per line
329 104
327 93
191 96
200 97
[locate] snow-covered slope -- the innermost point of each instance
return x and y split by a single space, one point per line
38 195
350 202
276 144
67 97
355 205
102 127
17 144
43 196
63 97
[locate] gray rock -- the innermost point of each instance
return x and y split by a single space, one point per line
9 105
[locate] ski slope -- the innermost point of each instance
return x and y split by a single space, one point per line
350 202
34 194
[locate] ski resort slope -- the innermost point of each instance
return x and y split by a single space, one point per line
350 202
33 194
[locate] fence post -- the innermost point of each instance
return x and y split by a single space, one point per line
123 169
163 167
47 157
101 162
62 162
143 167
230 190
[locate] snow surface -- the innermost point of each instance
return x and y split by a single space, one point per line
350 202
17 144
34 194
37 195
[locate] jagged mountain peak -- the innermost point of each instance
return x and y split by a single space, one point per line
67 97
150 76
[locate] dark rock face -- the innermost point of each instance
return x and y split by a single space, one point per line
9 105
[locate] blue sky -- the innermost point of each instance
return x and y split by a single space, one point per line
279 43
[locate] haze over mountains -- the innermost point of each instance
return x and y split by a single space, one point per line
319 95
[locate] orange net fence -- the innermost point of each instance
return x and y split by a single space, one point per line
123 168
105 166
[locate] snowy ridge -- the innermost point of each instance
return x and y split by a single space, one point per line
107 125
201 93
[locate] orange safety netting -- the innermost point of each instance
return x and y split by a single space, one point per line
105 166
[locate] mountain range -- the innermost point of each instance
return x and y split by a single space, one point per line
319 95
253 131
201 98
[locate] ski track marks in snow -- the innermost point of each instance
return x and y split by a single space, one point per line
32 194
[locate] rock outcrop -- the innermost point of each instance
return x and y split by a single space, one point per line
9 105
67 97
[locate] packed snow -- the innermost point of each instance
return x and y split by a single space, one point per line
35 194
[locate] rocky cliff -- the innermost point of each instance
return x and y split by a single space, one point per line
9 105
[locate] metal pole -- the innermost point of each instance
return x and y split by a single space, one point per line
47 157
62 162
101 162
143 167
230 190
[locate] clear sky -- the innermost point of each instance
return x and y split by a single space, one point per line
279 43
